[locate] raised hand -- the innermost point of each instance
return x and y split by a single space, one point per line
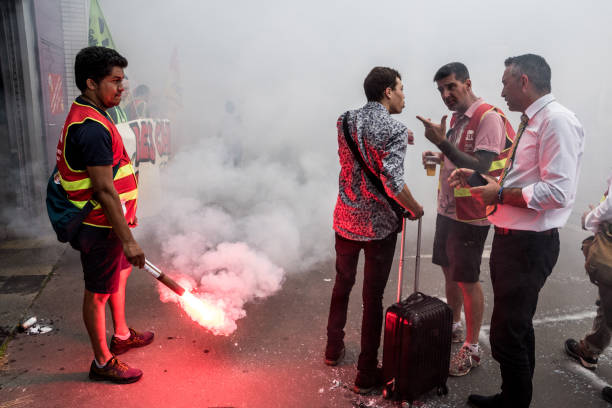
434 132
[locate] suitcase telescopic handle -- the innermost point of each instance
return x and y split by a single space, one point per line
417 265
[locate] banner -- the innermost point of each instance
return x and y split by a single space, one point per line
51 68
148 142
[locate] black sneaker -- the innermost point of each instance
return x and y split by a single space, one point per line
136 339
606 393
485 401
367 381
114 371
572 348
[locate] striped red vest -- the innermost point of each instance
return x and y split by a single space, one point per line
468 209
77 182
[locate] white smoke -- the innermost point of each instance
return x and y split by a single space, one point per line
230 228
291 68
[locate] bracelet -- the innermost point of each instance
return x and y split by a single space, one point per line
500 197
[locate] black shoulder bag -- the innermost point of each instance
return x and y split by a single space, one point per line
398 209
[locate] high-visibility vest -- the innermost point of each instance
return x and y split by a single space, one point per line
77 182
467 208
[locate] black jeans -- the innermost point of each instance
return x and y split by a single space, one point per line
520 264
378 260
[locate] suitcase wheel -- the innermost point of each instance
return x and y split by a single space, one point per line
387 393
442 390
388 389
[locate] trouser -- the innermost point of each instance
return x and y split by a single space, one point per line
520 263
378 260
595 342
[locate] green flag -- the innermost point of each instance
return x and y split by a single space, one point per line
99 34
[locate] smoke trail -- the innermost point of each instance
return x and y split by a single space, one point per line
233 223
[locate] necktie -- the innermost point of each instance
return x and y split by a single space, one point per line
510 160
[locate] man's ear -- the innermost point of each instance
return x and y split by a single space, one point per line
468 83
524 82
91 84
387 93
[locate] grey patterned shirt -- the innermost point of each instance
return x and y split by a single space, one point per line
362 213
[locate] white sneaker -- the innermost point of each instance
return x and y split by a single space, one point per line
464 361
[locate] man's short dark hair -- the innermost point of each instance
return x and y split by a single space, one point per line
535 67
95 63
379 79
457 68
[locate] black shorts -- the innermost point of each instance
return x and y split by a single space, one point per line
458 246
102 258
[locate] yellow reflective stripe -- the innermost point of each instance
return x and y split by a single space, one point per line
85 183
76 185
97 225
462 192
126 170
81 204
129 195
497 164
487 111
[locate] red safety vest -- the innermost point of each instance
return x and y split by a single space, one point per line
77 182
468 209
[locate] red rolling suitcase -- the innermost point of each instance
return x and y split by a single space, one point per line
417 344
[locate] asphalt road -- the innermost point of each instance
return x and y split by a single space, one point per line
275 358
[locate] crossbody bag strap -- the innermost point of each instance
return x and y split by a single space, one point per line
398 209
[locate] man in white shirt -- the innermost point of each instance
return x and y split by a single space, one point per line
587 350
531 200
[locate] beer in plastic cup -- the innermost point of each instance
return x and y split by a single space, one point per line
430 166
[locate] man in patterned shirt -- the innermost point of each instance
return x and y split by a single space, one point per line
364 218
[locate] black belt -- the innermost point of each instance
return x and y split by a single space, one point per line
506 231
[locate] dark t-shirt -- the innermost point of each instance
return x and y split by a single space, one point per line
88 143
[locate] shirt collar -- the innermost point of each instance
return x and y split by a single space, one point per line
470 111
82 101
538 104
376 106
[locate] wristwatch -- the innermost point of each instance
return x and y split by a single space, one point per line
500 195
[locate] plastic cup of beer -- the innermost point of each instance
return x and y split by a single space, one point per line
430 165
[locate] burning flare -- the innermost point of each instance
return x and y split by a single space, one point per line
202 312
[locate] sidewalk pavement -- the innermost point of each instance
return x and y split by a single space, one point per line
25 267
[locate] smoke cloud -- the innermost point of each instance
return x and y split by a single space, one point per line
248 197
233 226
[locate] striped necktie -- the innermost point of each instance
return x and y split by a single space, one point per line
510 160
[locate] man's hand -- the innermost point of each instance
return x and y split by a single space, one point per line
429 155
415 215
134 254
583 219
458 178
410 137
487 195
435 133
